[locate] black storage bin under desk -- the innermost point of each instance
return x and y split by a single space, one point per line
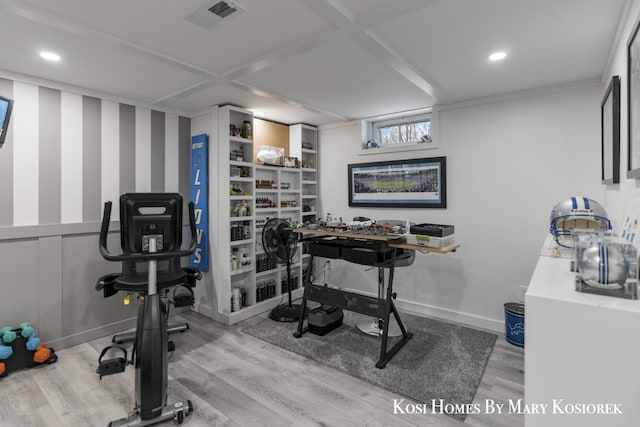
326 248
367 256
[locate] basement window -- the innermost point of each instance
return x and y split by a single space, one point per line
398 132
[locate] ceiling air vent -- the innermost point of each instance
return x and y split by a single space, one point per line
212 13
222 9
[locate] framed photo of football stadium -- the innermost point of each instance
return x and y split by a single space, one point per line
413 183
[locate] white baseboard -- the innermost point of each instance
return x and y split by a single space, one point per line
403 305
451 316
444 314
209 312
92 334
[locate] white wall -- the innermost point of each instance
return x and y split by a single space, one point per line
508 163
617 195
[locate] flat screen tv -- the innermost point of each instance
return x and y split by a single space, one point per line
6 105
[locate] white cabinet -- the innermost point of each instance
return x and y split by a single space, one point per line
581 350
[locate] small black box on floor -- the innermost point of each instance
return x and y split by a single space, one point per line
435 230
324 319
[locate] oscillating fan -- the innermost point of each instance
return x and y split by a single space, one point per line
280 245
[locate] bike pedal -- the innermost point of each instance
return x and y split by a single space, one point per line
184 300
111 366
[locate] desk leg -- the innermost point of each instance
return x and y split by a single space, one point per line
389 307
385 328
400 324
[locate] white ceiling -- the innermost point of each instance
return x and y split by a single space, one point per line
312 61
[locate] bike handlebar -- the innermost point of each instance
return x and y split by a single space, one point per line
141 256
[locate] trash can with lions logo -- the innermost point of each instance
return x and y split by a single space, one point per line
514 323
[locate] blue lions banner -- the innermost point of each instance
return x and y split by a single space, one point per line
199 197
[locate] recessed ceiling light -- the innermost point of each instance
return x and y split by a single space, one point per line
258 113
50 56
497 56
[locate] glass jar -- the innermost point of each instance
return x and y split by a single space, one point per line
246 130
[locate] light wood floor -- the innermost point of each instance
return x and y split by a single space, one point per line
236 380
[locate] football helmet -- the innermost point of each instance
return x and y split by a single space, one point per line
603 266
576 212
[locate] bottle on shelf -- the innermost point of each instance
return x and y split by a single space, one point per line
235 299
246 130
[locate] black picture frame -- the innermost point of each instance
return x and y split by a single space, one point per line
633 103
411 183
610 133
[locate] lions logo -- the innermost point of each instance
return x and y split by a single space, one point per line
517 329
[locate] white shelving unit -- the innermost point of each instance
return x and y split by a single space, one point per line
249 195
236 206
277 195
303 144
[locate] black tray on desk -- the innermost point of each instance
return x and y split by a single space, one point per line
435 230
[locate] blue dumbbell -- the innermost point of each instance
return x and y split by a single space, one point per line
5 351
32 343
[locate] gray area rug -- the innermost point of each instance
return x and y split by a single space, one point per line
442 361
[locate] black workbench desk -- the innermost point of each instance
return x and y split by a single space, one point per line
365 249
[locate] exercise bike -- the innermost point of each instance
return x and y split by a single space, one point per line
150 236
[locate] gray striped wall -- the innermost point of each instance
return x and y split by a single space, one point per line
65 154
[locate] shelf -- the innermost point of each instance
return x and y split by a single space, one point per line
289 209
283 268
242 271
309 151
240 218
240 179
241 242
267 272
309 182
266 190
239 163
309 170
309 196
247 197
291 191
265 210
309 213
268 167
240 139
